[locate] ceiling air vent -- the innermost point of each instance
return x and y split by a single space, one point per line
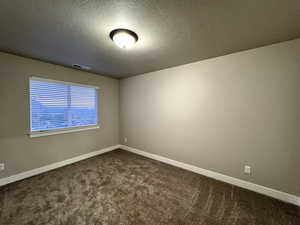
81 67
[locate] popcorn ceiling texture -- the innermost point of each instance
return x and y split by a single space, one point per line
171 32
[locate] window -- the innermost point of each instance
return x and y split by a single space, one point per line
60 107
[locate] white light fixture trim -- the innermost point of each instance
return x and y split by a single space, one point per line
123 38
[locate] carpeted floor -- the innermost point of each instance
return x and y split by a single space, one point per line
121 188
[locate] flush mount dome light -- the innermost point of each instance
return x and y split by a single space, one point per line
123 38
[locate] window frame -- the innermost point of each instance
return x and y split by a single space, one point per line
61 130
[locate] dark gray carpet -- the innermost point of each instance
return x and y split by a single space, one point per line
121 188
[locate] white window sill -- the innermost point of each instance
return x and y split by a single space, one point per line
61 131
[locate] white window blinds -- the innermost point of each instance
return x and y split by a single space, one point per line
59 105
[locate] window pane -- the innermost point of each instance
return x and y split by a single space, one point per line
83 106
58 105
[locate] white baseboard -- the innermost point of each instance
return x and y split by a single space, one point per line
56 165
293 199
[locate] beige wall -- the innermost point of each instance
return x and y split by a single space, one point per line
218 114
21 153
222 113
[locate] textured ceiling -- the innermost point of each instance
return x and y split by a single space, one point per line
171 32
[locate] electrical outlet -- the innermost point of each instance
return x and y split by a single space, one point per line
125 140
2 166
247 170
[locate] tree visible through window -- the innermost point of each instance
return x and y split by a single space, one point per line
59 105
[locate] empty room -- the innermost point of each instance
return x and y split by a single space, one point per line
150 112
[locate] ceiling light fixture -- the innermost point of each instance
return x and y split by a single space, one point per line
123 38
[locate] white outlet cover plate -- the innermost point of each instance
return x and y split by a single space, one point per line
247 169
2 166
